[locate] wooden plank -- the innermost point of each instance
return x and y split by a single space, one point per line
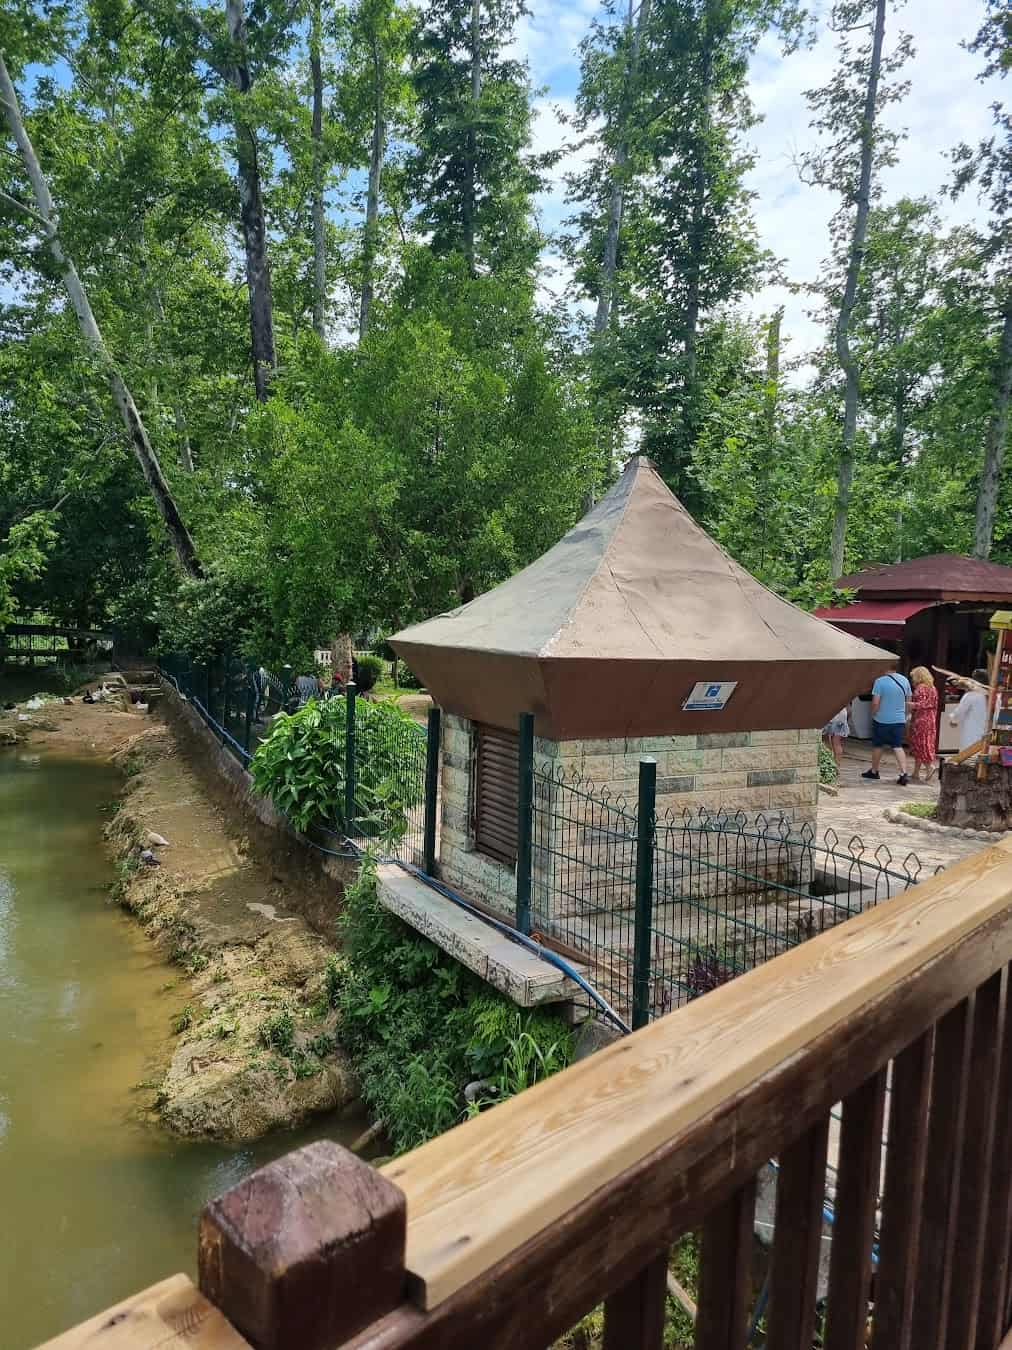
975 1174
901 1202
171 1315
725 1271
634 1314
564 1270
797 1241
936 1253
485 1188
993 1318
857 1188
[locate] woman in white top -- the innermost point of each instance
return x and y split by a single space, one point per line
971 713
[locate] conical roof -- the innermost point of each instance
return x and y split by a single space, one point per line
607 633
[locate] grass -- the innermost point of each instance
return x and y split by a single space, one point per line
922 810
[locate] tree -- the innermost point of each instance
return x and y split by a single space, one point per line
474 181
990 167
44 217
848 111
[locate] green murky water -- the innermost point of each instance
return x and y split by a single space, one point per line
96 1202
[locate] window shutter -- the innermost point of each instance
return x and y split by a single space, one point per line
496 779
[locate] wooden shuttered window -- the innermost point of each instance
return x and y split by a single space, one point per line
494 796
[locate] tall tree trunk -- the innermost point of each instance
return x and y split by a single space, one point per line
471 166
370 240
848 362
251 210
770 418
319 239
994 444
616 197
47 219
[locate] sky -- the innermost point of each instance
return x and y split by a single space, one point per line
946 104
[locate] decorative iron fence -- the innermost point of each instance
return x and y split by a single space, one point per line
661 910
385 763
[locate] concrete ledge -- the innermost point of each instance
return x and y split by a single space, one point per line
492 956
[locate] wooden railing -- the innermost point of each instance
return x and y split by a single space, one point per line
510 1228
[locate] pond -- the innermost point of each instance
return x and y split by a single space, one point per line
97 1201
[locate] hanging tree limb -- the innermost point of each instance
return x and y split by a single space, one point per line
46 217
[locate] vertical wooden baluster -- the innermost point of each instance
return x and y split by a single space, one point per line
307 1251
634 1314
797 1241
901 1202
973 1199
936 1250
725 1274
857 1185
993 1321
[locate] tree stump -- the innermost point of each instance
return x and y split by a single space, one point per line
973 804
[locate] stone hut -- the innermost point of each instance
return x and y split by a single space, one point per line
636 634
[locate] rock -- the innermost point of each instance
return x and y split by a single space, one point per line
972 803
155 840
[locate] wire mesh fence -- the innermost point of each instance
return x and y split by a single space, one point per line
726 892
380 755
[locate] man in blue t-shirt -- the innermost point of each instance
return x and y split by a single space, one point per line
890 702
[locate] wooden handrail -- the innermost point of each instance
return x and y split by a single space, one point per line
526 1217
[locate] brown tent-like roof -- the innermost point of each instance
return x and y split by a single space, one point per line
608 632
939 576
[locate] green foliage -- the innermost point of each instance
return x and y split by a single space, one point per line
828 771
922 810
277 1031
370 671
419 1027
300 766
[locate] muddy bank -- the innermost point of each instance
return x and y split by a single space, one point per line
248 923
257 1044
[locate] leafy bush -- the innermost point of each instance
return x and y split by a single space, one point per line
419 1027
277 1032
300 766
828 771
370 671
407 679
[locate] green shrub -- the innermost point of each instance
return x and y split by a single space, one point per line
407 679
923 810
370 672
828 771
277 1032
419 1027
300 766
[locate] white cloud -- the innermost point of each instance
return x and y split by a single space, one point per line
946 104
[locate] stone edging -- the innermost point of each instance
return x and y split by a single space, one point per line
901 817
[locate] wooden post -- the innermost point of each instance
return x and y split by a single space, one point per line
306 1252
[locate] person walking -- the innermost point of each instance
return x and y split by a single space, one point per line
890 696
923 723
971 713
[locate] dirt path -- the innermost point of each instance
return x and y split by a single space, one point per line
255 1047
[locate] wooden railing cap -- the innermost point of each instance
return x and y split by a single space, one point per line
306 1251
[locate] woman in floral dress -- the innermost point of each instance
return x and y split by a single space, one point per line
923 724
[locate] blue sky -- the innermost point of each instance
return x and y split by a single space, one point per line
946 104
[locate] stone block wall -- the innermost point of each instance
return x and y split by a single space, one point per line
584 842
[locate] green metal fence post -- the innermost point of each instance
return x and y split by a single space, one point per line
251 695
525 820
645 830
349 758
227 667
431 791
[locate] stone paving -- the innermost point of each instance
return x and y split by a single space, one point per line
860 809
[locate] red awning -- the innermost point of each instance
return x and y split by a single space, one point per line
873 618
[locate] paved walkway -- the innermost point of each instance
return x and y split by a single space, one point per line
860 809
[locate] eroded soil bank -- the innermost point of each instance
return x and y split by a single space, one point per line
255 1046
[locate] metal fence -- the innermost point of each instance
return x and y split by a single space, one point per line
386 768
661 910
